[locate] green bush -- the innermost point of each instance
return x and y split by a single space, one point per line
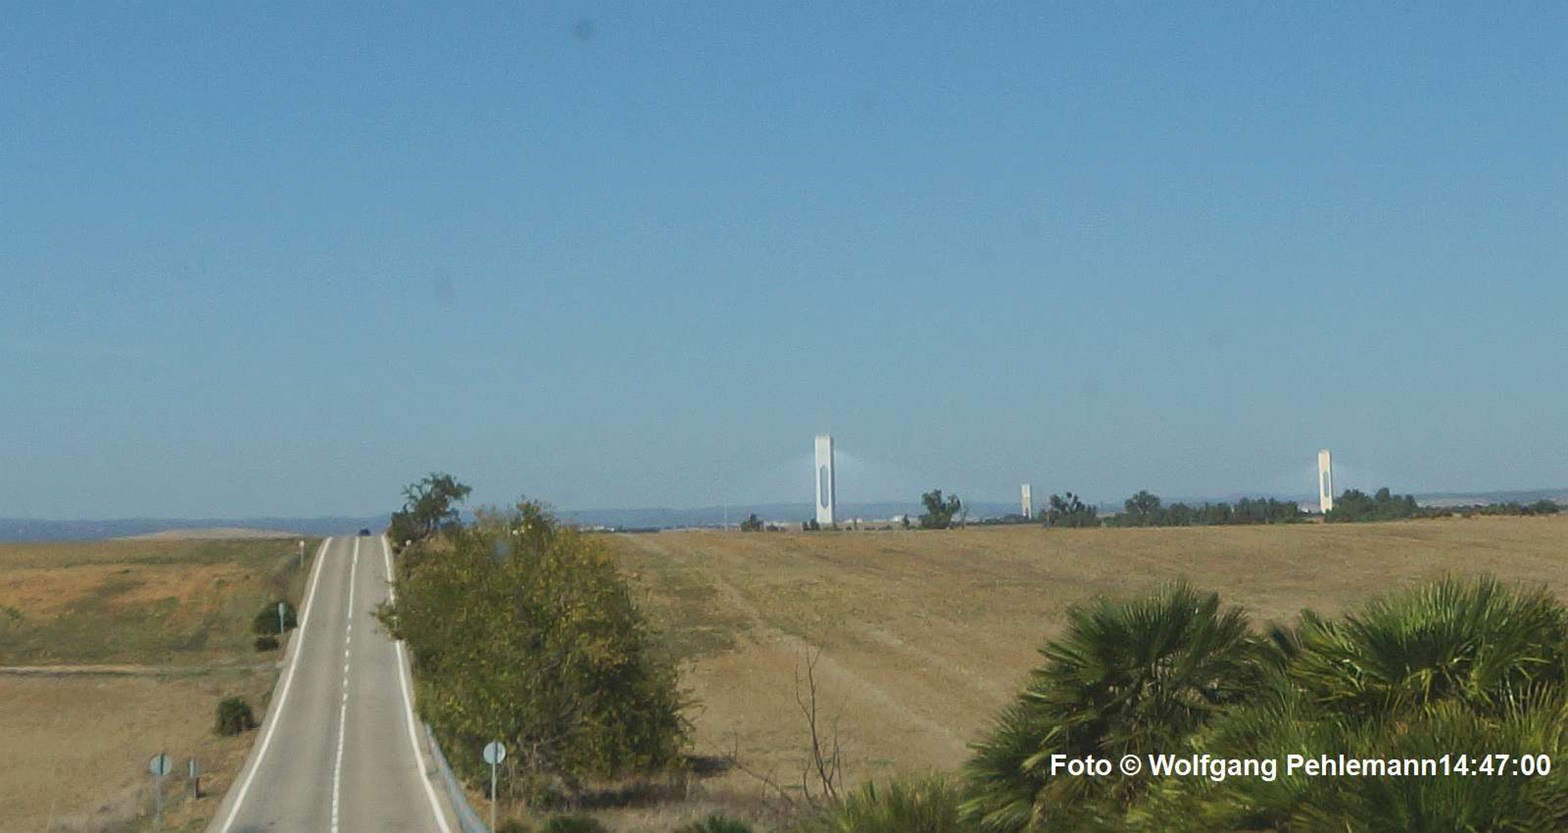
266 621
514 826
574 824
928 805
234 716
716 824
267 643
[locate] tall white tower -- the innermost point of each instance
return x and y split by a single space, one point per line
827 498
1325 482
1025 501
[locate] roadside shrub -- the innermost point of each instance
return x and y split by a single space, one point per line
574 824
266 643
235 716
266 621
716 824
514 826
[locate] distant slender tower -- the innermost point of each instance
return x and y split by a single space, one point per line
1325 482
827 499
1025 501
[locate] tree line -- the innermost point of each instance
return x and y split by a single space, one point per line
1355 506
1146 509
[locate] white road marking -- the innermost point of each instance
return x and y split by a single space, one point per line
283 695
337 767
408 703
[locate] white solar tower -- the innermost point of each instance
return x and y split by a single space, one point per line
827 500
1325 482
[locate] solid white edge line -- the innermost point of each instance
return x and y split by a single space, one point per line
408 704
273 715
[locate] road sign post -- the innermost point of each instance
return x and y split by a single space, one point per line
158 766
495 753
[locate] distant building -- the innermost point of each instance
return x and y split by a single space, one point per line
1325 482
827 499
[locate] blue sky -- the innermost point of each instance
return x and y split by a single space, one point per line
278 260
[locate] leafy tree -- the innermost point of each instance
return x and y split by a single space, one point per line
523 631
940 512
1143 509
1070 511
429 506
752 523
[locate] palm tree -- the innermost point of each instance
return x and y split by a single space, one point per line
1474 641
1421 673
1513 793
1127 677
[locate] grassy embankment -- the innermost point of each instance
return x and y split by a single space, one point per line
925 635
128 646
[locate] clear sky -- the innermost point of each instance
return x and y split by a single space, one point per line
267 259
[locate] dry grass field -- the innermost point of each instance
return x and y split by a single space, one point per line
924 635
77 748
128 647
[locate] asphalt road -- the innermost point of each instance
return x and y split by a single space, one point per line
339 752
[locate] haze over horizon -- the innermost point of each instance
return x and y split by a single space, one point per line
271 262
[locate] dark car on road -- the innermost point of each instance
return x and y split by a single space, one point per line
364 531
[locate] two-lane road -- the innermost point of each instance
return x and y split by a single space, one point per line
338 751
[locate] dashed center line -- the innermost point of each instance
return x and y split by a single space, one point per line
348 641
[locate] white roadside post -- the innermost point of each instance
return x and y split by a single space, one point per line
495 753
158 766
302 553
281 628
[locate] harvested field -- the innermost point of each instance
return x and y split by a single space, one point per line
77 748
924 635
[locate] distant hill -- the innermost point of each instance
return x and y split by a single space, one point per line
25 529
